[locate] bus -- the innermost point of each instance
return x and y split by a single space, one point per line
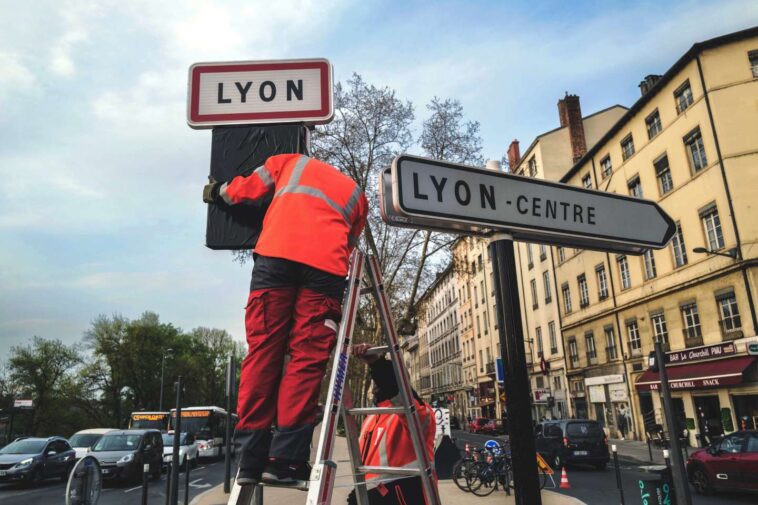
148 421
208 425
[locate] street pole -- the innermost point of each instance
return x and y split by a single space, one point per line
145 471
163 365
516 377
619 485
228 446
175 453
681 486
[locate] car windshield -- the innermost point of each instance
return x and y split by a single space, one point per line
168 440
584 430
24 447
118 443
84 439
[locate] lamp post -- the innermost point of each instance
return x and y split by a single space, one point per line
163 366
731 253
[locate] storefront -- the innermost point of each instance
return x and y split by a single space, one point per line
608 397
714 390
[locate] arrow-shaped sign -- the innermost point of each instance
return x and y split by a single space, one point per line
195 484
532 210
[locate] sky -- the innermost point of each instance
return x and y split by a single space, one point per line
101 178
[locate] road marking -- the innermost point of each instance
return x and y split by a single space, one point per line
195 484
133 489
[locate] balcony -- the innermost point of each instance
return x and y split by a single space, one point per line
490 367
692 337
730 330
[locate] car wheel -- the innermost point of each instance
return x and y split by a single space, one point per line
66 473
601 466
700 482
35 480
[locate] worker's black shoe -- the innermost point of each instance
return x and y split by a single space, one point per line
248 477
281 472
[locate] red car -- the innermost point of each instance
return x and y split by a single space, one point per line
731 464
482 425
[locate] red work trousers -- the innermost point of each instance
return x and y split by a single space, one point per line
294 321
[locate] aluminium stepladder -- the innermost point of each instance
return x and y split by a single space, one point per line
339 401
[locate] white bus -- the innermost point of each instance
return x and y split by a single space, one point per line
208 425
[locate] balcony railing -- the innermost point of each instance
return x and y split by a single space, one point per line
731 333
490 367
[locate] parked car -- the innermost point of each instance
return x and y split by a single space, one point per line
31 460
187 449
482 425
729 464
83 441
567 441
122 453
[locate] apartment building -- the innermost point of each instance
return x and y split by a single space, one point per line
439 329
690 142
549 156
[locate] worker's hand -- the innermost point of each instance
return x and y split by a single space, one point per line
359 351
211 191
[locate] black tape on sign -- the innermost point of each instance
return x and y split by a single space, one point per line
238 150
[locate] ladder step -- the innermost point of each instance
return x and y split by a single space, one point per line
392 470
378 350
366 411
366 291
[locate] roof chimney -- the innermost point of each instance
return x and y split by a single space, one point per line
514 155
648 83
570 113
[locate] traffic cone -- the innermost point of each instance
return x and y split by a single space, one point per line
564 480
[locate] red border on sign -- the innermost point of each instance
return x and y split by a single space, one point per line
323 66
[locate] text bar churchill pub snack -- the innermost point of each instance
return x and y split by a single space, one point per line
260 92
528 209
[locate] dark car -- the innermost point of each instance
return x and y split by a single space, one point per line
482 425
31 460
572 441
122 453
730 464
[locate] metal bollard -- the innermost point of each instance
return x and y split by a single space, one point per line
145 471
168 484
649 449
186 479
618 473
666 458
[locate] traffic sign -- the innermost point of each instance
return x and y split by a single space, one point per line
260 92
494 447
752 349
532 210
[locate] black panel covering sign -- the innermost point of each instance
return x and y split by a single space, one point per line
238 150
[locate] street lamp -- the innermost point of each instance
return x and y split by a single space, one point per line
731 253
163 364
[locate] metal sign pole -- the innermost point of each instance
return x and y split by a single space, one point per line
521 431
175 454
228 443
679 476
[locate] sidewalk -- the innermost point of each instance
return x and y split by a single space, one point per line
636 451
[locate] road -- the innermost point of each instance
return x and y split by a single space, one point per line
597 487
52 492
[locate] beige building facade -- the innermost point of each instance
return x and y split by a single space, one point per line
691 144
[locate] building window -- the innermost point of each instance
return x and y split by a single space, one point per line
653 123
587 181
473 267
478 328
573 352
649 261
533 284
683 97
691 320
730 314
486 322
635 187
677 244
481 362
605 166
529 260
633 332
712 227
561 254
663 174
546 283
660 331
481 285
589 339
627 147
602 282
566 298
543 252
696 150
753 57
538 337
532 167
557 383
584 294
554 337
626 278
610 343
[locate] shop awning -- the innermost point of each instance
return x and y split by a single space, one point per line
711 374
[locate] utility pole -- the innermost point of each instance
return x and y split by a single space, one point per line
175 453
230 383
681 486
163 366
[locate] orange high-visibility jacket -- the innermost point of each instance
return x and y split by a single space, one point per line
316 216
386 441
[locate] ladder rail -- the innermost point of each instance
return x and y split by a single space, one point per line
352 433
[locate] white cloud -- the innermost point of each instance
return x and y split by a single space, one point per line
14 74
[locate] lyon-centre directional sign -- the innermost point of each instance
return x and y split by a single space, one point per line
260 92
529 209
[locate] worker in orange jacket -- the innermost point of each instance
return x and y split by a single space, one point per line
386 441
301 259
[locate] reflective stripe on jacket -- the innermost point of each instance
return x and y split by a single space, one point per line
317 213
